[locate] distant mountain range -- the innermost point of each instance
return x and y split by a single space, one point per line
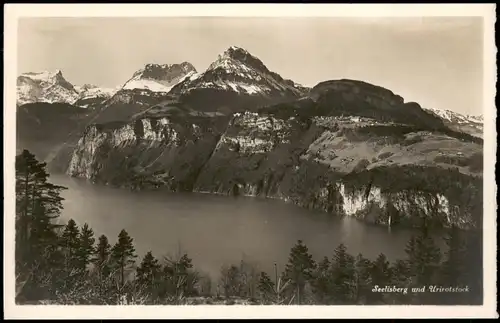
52 87
159 78
461 122
234 74
343 146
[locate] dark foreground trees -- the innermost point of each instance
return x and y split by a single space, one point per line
37 251
66 264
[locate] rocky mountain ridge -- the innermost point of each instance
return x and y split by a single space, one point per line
159 78
235 81
52 87
239 71
45 87
471 124
175 81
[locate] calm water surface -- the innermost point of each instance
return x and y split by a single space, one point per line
217 230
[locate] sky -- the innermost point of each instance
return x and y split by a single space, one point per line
437 62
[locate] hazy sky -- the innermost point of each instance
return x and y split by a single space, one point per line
437 62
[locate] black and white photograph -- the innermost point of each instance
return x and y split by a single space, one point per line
249 161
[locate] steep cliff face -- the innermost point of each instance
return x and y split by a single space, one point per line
146 153
374 163
380 179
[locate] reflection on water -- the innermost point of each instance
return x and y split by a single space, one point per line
217 230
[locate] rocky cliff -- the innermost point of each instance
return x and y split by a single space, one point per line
348 148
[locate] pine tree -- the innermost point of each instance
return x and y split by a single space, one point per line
250 279
71 243
231 281
299 269
473 276
86 249
38 204
321 283
423 263
342 276
400 277
411 252
265 287
380 273
184 264
103 269
192 276
123 254
363 280
178 278
148 272
454 267
103 252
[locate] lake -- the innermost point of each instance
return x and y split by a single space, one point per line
217 230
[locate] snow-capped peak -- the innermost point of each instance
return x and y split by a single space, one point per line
237 58
159 77
52 87
49 77
236 48
85 87
46 86
456 117
239 71
471 124
91 90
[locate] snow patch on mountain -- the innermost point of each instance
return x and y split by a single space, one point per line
151 85
46 87
238 71
52 87
471 124
456 117
87 91
160 78
45 76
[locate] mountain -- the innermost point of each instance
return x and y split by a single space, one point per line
470 124
239 71
46 87
159 78
52 113
90 96
346 147
52 87
147 87
235 81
